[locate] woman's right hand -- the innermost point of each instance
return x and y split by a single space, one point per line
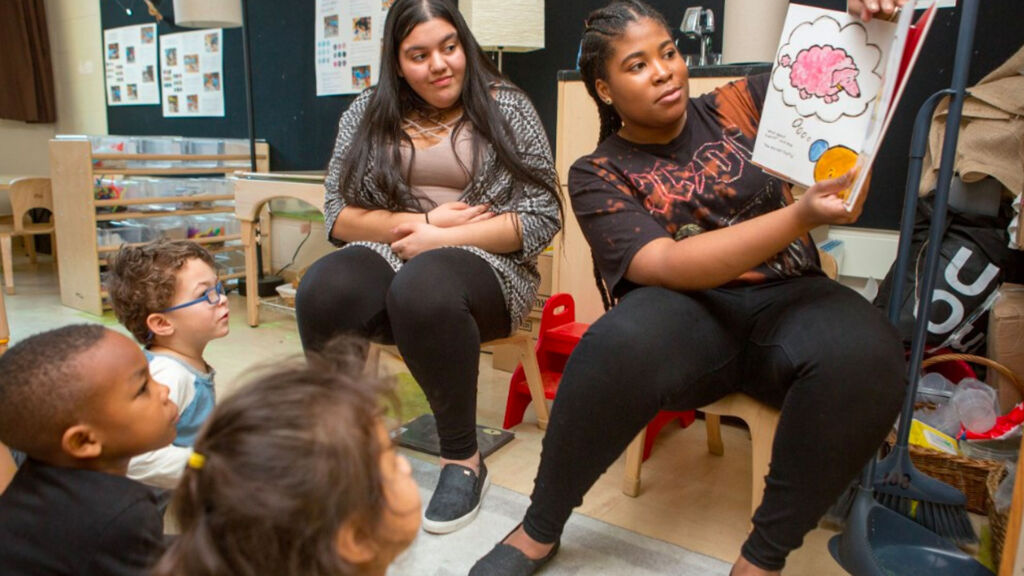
825 203
451 214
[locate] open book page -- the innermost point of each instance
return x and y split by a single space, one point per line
827 77
907 45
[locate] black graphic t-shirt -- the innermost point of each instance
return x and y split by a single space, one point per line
626 195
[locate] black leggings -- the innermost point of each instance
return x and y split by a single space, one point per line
814 348
437 308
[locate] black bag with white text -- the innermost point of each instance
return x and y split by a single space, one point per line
972 264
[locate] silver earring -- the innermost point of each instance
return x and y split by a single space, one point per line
608 101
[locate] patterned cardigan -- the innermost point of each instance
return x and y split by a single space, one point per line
491 184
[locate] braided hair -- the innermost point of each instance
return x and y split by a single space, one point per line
600 29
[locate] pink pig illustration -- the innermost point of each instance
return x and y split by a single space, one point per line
823 71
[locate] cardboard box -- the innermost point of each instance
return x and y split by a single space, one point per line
544 264
1005 342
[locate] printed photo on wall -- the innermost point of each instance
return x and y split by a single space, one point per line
147 73
129 54
171 57
113 52
331 26
211 81
212 42
147 34
360 77
172 103
362 28
193 102
191 62
115 94
133 91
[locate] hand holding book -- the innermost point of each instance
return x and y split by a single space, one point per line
834 85
868 9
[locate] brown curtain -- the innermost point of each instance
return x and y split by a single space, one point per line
26 72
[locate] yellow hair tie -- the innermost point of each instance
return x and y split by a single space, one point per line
196 461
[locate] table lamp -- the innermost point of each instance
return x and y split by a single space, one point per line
505 25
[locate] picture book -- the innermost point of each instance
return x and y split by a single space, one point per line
834 85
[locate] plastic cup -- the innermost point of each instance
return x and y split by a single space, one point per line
977 412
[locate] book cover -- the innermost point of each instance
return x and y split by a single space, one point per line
834 83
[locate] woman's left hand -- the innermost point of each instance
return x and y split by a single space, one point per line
867 9
416 238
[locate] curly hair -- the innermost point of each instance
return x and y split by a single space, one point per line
287 460
140 280
41 387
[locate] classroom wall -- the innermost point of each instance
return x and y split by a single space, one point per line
74 28
300 126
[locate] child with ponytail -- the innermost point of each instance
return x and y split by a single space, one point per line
296 475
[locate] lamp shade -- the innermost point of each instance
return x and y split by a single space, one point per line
208 13
751 29
508 25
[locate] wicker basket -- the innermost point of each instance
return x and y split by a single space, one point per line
996 520
968 475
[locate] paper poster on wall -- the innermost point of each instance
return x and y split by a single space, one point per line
192 73
129 57
348 40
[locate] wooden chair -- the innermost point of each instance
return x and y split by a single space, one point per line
760 418
26 194
527 356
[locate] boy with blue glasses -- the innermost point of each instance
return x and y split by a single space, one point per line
168 295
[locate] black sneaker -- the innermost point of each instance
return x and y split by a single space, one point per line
456 500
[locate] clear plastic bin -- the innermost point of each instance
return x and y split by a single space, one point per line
158 145
170 227
204 146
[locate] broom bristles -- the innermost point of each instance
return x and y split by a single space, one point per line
948 521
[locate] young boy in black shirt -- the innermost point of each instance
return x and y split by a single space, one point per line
80 402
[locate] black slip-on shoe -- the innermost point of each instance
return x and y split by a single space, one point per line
457 498
507 560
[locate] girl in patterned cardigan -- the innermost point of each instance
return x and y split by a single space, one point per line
441 192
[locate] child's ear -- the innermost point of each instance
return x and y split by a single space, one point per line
159 324
80 441
354 546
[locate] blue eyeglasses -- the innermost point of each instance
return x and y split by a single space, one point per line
211 295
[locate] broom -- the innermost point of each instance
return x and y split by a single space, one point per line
898 485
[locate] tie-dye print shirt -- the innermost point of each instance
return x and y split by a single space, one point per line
626 195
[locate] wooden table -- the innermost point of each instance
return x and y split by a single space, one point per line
252 191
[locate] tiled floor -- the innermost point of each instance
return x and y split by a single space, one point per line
689 497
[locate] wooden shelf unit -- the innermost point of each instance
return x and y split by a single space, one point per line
73 174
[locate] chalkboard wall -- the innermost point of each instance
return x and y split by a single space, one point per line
300 126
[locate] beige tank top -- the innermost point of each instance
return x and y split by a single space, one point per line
436 175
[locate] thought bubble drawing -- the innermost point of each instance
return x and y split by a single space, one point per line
819 78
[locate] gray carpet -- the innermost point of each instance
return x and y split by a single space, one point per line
589 546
